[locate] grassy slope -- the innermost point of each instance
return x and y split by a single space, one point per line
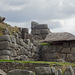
11 29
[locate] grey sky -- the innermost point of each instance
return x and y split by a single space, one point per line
58 14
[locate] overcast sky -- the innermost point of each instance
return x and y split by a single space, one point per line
58 14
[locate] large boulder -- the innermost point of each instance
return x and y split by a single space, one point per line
4 45
69 71
5 38
5 52
20 72
60 72
43 71
2 72
54 71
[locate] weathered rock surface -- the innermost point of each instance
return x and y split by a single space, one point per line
60 72
2 72
69 71
43 71
20 72
39 31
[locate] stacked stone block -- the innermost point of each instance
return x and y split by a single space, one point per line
5 52
15 48
61 50
25 32
39 31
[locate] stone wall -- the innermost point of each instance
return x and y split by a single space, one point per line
58 51
40 71
39 31
15 48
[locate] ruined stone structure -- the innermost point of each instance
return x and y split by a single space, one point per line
18 46
24 46
39 31
61 47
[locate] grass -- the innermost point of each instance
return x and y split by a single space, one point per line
44 44
58 63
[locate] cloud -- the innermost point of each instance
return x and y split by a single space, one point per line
58 14
67 25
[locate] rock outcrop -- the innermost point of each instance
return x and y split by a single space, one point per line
2 19
39 31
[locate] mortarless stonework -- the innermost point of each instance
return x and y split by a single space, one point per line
39 31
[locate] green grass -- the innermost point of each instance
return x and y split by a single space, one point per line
58 63
44 44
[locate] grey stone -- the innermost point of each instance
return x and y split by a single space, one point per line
45 47
35 56
50 56
6 31
74 70
26 46
29 54
5 38
52 49
34 42
33 24
44 35
69 71
25 36
63 56
36 31
73 50
13 40
23 51
60 72
4 57
14 46
5 52
61 60
72 43
13 52
17 40
4 45
31 45
36 50
41 26
54 71
59 48
2 72
25 30
15 34
65 50
23 57
43 71
66 44
20 72
21 42
33 49
27 41
47 56
44 31
70 57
